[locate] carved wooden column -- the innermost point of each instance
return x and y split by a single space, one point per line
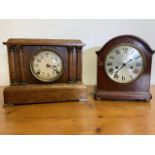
21 64
11 57
78 64
71 64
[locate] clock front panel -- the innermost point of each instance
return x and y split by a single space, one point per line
124 64
45 64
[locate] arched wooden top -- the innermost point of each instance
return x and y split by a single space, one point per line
127 38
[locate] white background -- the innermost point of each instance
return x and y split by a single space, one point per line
93 32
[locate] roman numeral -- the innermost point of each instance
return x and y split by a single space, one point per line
125 50
111 70
116 76
109 63
138 64
117 52
130 76
123 78
112 57
136 71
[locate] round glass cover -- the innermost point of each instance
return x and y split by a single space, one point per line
124 64
46 66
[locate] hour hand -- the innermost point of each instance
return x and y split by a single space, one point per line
52 67
48 66
120 67
123 65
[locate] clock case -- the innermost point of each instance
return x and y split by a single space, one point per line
137 89
26 89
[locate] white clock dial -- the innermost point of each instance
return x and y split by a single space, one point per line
46 66
124 64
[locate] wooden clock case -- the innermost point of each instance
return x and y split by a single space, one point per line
26 89
136 90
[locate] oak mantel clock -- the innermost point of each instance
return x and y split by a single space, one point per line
124 69
44 70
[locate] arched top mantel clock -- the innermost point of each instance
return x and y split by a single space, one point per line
124 69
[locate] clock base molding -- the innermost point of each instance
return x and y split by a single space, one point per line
122 95
29 94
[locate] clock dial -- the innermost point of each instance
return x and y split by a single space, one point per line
46 66
124 64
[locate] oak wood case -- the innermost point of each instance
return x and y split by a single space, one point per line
20 53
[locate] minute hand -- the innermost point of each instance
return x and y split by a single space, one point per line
128 61
53 67
123 65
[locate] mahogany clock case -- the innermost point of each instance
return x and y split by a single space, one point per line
20 53
135 90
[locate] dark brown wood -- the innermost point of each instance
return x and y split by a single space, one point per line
21 51
41 42
79 64
11 57
89 117
28 94
71 64
138 89
22 65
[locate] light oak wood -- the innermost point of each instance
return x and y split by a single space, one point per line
28 94
26 89
88 117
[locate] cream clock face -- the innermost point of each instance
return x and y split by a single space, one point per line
46 66
124 64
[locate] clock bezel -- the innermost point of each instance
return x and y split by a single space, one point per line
125 44
43 80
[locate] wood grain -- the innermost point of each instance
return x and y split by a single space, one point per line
79 64
20 53
11 59
22 65
28 94
34 41
89 117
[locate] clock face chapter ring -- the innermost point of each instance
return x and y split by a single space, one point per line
124 64
46 66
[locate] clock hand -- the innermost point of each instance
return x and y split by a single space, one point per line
56 70
123 65
128 61
52 67
120 68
